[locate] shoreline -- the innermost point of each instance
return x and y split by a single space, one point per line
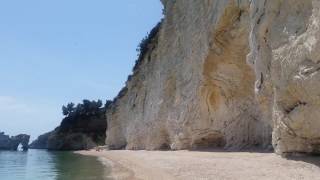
120 169
169 165
113 170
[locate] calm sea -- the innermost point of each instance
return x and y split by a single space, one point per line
46 165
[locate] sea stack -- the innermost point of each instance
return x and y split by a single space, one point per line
12 143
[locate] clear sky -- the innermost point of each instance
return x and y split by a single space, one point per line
57 51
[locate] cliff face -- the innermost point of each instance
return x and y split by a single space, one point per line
41 142
229 73
83 132
285 55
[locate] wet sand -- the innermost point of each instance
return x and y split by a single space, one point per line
166 165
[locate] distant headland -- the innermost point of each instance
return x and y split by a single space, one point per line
83 127
13 142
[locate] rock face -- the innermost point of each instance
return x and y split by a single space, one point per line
41 142
83 127
74 133
232 73
285 55
12 143
59 141
193 88
71 141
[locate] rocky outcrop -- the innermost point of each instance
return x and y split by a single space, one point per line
58 141
41 142
84 133
285 55
232 73
12 143
71 141
84 127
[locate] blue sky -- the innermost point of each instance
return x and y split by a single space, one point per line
57 51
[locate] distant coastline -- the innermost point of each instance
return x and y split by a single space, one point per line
13 142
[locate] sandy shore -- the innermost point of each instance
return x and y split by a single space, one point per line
185 165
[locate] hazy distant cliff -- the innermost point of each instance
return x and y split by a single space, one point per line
13 142
227 73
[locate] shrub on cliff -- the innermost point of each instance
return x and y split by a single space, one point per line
143 46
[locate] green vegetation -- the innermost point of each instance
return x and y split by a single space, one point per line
86 108
83 127
144 45
79 117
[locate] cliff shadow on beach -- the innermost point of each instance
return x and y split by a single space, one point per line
311 159
307 158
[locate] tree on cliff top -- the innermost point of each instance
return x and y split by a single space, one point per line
83 113
85 108
66 110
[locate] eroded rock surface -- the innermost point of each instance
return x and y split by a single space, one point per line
225 73
285 55
41 142
12 143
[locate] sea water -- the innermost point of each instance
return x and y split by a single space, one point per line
47 165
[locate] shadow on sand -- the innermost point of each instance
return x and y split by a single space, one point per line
222 150
307 158
311 159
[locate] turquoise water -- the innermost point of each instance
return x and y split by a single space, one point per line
46 165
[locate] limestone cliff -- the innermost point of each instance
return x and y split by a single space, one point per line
285 55
224 73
